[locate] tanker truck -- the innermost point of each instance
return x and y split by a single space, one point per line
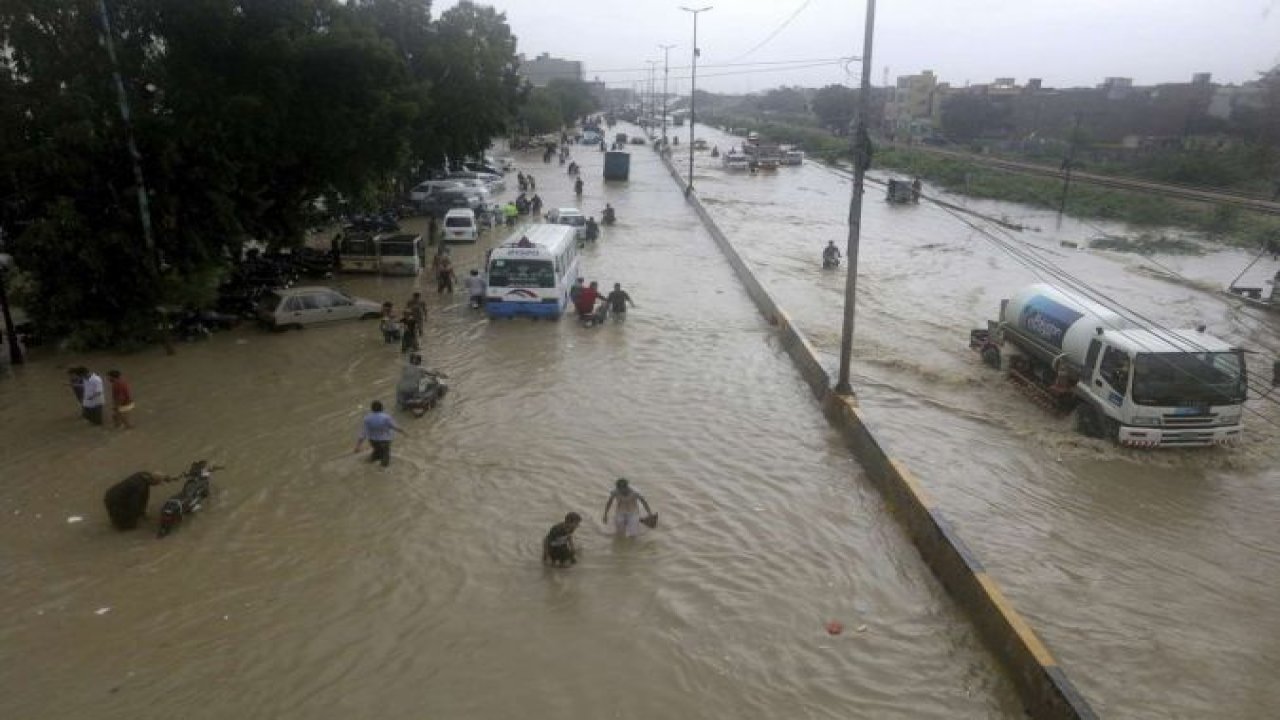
1138 386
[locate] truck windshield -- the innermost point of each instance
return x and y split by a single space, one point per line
393 248
522 274
1186 379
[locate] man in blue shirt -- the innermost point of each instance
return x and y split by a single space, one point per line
379 427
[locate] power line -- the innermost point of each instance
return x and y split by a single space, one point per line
776 30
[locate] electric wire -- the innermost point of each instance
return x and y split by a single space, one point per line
776 30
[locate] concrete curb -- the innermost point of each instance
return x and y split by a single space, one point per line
1043 685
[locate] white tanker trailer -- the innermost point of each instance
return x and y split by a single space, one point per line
1138 386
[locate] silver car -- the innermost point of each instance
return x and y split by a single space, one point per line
298 307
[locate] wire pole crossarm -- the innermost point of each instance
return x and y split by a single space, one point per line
861 161
693 90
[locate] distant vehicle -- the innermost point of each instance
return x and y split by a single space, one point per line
298 307
482 167
440 203
533 280
495 182
637 140
572 217
460 225
423 190
400 254
734 161
358 252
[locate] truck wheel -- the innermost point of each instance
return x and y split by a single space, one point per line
1087 421
991 356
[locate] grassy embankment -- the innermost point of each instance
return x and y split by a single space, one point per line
1218 223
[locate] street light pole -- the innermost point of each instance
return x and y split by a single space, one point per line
861 161
693 89
653 64
666 70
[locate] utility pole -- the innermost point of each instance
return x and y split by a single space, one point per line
666 70
861 161
1067 163
693 89
653 64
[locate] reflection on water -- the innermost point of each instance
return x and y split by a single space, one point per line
1152 575
317 586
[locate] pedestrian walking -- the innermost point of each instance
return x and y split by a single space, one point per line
408 333
121 400
445 277
388 324
627 520
533 184
618 301
378 428
92 401
75 379
476 287
418 308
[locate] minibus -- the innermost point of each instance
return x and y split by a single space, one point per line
530 274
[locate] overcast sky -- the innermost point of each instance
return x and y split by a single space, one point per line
1065 42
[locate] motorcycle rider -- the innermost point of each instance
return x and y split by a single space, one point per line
577 187
830 254
593 230
608 217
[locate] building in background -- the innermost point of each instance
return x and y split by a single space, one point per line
914 107
544 68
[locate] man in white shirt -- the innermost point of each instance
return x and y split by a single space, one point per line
92 402
475 288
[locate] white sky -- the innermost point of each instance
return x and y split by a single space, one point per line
1067 43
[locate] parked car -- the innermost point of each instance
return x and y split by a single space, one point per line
423 189
570 216
440 203
495 182
298 307
482 167
460 225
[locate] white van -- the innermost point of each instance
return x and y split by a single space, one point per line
460 225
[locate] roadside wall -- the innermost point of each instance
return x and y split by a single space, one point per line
1042 683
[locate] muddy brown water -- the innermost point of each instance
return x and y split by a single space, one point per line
1153 576
317 586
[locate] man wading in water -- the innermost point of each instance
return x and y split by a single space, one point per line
627 520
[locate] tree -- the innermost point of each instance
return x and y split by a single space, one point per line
574 98
243 113
835 106
968 117
785 100
540 113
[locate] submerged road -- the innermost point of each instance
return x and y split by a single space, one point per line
1151 575
316 586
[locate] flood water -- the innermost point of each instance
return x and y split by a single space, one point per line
315 585
1153 576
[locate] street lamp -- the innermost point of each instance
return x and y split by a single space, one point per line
666 51
693 89
10 335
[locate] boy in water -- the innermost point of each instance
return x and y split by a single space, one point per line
557 546
126 501
627 520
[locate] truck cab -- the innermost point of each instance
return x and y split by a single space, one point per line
1147 389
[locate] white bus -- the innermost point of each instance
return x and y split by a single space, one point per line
533 278
358 252
400 254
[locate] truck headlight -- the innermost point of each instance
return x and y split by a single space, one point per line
1229 418
1145 420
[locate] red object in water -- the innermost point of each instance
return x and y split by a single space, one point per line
835 627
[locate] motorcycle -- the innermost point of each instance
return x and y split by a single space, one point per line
195 490
830 262
431 388
608 216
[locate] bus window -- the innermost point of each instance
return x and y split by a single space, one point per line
522 273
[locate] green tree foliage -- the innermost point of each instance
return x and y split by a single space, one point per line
835 105
243 114
541 113
784 100
573 97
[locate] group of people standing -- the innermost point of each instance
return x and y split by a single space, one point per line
90 393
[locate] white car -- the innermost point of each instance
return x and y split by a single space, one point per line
297 307
424 190
570 216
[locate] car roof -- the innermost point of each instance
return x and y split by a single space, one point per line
303 289
568 211
461 211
